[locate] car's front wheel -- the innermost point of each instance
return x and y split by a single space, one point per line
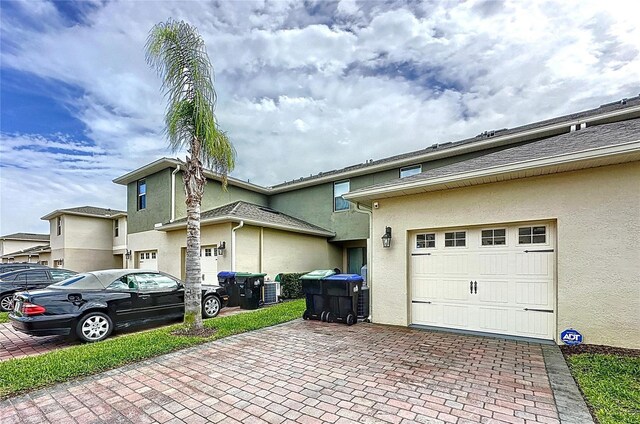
94 327
6 302
210 307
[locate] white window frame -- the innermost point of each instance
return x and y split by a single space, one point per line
455 239
426 241
116 228
493 237
348 182
532 243
59 225
410 169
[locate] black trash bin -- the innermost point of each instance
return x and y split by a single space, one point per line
250 289
227 279
342 291
317 304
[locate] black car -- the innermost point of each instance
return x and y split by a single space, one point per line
92 304
28 279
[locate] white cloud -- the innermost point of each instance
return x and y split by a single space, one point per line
304 90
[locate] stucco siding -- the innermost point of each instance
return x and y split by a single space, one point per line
158 208
597 212
10 246
81 260
85 232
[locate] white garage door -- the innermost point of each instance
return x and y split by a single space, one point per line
497 279
209 263
148 260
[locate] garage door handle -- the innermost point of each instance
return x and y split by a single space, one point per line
471 286
475 287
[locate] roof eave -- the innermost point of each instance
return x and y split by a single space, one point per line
257 223
621 153
59 212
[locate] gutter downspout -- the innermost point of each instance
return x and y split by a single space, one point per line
261 250
369 255
233 244
173 193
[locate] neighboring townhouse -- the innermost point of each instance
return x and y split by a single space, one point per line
37 254
17 242
522 232
87 238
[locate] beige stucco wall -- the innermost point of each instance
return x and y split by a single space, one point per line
81 260
283 251
120 242
598 243
85 232
56 241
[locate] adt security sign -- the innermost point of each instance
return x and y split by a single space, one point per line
571 337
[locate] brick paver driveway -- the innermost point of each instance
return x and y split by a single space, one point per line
308 372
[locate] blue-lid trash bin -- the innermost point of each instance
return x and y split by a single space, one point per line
316 299
342 292
227 280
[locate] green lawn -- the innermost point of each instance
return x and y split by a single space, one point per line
611 385
4 317
22 374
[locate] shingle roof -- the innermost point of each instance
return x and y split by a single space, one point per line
241 210
86 210
609 107
26 236
573 142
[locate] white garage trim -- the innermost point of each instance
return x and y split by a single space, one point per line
498 278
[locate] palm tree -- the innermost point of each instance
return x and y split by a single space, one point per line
178 53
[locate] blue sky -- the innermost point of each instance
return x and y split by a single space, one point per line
302 87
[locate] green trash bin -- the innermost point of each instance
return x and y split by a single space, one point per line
317 304
250 289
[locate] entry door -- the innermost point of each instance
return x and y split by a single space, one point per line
496 279
356 259
209 264
148 260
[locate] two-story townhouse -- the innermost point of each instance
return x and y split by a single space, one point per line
87 238
22 247
492 234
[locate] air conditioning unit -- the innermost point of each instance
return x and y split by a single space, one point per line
271 292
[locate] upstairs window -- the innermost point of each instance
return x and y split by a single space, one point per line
340 188
59 225
142 194
408 171
115 227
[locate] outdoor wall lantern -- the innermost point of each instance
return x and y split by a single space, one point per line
221 247
386 238
127 255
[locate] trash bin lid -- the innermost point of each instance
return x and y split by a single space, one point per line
226 274
318 274
345 277
248 274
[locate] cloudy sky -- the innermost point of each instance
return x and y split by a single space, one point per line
303 87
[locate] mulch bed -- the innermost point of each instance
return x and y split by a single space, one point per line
600 349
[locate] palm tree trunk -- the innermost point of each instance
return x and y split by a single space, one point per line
194 186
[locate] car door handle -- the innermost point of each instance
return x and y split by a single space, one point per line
144 296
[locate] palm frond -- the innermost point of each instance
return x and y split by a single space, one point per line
178 54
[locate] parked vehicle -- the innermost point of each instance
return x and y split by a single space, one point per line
92 304
28 279
18 265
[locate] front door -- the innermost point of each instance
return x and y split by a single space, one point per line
209 264
148 260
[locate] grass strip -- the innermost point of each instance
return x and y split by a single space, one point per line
30 373
610 384
4 317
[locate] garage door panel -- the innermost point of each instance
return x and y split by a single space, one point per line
455 316
425 265
454 289
496 291
532 293
533 323
455 264
426 288
426 314
494 320
537 264
494 263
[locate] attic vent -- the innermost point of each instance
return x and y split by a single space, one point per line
577 127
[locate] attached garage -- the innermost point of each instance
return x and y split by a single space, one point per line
495 279
527 241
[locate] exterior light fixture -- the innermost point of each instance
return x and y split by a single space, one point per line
386 238
221 246
127 255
